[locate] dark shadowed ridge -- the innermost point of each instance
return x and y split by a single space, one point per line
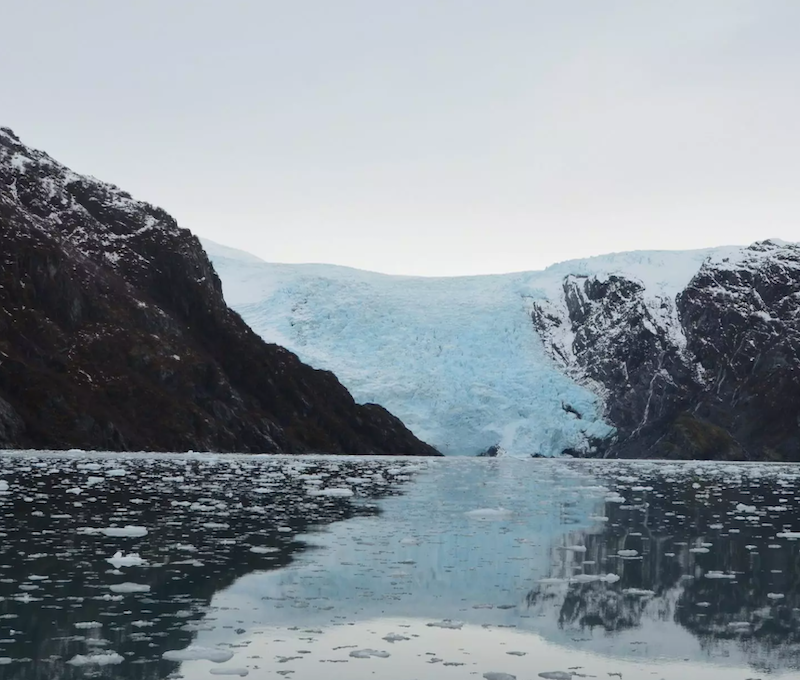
114 335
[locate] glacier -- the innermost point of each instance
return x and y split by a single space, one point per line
457 359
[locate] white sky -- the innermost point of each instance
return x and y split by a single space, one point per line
424 136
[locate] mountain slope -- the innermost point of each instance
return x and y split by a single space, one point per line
675 354
114 334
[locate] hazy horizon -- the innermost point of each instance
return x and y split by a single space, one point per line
425 138
719 246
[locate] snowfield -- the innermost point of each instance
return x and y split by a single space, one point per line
457 359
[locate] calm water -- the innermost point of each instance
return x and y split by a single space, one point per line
345 568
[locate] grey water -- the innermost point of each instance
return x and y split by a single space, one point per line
199 566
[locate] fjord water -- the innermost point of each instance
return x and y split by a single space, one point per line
196 566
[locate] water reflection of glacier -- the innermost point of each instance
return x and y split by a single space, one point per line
467 535
632 560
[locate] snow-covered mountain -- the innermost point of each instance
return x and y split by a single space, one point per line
114 334
670 353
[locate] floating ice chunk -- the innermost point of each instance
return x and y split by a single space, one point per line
556 675
741 507
775 596
333 491
5 660
395 637
627 553
263 550
116 472
131 560
589 578
719 574
499 676
241 672
128 530
100 659
197 653
128 587
739 625
88 624
3 485
791 535
489 513
447 623
367 653
640 592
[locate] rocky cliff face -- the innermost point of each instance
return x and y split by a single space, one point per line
114 335
713 373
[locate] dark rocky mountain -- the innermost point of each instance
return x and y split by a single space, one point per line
714 373
114 335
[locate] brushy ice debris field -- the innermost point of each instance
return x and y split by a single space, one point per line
150 565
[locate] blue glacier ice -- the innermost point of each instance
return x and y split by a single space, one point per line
457 359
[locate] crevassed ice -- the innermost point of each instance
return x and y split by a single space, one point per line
456 359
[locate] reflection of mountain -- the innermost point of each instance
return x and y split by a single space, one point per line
705 548
203 516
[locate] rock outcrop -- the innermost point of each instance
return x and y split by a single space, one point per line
114 335
713 373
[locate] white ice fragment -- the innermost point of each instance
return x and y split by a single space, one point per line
639 592
130 560
127 531
263 550
447 623
791 535
197 653
100 659
489 513
116 472
556 675
719 574
88 624
241 672
367 653
499 676
741 507
395 637
334 491
128 587
627 553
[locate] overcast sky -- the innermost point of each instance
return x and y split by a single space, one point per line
424 136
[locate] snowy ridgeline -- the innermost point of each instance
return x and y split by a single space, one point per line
457 359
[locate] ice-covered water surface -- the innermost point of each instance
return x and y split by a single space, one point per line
197 566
